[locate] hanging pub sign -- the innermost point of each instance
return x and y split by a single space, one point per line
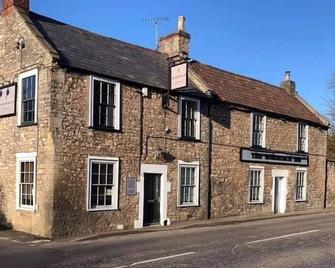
255 156
179 76
7 100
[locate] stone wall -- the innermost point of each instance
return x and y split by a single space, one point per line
64 141
230 177
330 184
34 138
75 141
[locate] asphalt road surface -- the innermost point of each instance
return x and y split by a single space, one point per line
302 241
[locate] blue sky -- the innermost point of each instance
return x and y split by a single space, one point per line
260 38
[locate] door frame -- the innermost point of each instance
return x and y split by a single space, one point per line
284 175
165 188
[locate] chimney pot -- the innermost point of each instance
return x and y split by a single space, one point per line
181 23
287 75
7 5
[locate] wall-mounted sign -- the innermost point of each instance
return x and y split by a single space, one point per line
7 100
131 185
255 156
179 76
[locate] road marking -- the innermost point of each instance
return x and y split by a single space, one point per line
11 240
39 241
157 259
280 237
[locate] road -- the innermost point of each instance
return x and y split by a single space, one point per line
302 241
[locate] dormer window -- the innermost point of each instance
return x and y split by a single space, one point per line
258 130
302 138
189 118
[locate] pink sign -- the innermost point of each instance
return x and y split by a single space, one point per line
179 76
7 100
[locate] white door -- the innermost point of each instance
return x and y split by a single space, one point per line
280 191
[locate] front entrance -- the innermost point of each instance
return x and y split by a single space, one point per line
279 195
152 193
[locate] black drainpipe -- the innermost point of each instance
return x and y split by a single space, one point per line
141 130
209 197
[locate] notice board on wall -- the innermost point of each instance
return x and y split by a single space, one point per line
131 184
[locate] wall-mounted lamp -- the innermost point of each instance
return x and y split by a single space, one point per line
21 44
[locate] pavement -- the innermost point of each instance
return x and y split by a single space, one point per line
296 240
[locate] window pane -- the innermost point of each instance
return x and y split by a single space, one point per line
182 178
101 198
104 92
95 168
103 174
188 175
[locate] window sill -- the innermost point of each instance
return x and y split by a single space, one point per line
301 200
103 129
188 206
27 125
26 209
189 139
256 203
102 209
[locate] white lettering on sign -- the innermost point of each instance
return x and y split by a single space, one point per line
7 100
179 76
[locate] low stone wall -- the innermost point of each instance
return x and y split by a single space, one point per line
330 183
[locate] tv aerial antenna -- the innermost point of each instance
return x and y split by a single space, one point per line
156 21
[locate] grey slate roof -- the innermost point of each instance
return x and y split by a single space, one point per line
102 55
105 56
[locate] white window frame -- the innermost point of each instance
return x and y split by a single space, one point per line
263 145
304 198
261 193
195 165
117 98
115 196
22 76
298 141
25 157
198 116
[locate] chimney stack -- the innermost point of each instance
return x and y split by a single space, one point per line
288 84
8 5
178 43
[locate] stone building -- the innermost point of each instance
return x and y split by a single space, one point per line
95 136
